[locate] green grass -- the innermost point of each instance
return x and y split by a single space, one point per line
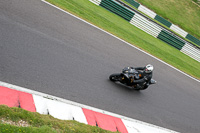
161 24
124 30
183 13
37 123
196 1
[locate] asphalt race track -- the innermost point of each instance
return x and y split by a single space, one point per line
44 49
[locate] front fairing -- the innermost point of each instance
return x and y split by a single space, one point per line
129 70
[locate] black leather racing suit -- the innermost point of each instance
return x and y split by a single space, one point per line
145 80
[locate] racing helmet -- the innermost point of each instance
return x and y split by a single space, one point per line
149 68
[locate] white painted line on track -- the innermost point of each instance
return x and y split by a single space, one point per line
120 40
83 106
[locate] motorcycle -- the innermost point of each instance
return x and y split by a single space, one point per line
128 75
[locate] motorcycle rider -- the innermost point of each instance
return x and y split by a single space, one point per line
146 73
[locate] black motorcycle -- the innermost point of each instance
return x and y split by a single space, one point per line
128 75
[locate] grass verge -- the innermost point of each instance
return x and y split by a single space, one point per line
124 30
161 24
183 13
17 120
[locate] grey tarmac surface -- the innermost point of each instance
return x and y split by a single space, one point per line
49 51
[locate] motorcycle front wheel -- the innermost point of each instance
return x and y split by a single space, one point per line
115 77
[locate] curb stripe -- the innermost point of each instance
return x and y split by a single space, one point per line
43 105
58 109
26 101
104 121
90 117
9 97
14 98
